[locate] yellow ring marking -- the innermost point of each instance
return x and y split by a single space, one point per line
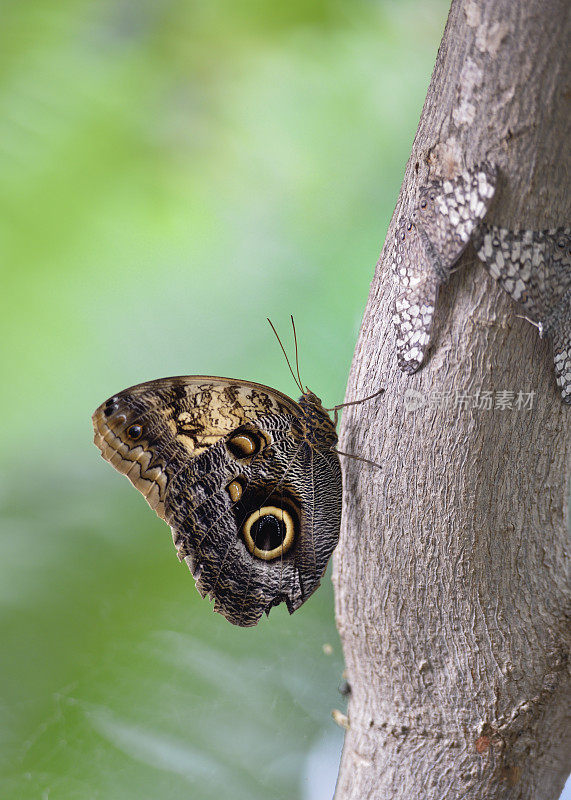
282 515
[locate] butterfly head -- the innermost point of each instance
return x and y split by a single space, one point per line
308 399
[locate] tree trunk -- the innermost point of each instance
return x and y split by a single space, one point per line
450 573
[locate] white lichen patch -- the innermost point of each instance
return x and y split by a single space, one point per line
471 77
472 12
489 38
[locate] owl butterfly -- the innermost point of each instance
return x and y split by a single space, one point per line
428 242
534 268
248 480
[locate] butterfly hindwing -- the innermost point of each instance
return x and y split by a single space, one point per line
228 465
562 356
428 242
534 268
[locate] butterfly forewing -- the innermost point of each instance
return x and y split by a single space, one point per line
428 242
227 464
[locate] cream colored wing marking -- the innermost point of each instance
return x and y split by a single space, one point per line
149 431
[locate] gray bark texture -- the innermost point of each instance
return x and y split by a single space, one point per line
450 575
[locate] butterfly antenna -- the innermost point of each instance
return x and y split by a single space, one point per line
285 354
535 324
296 358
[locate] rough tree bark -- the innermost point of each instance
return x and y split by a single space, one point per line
450 573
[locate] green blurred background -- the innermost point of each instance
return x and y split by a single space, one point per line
171 174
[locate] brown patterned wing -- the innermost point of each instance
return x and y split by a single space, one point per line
149 431
230 466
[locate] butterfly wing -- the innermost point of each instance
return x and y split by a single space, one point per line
224 462
179 418
534 268
414 308
428 243
561 337
449 211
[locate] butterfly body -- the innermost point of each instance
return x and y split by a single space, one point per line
428 242
246 477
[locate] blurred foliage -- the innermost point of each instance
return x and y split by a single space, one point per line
173 173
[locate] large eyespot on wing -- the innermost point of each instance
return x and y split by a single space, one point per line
269 531
259 531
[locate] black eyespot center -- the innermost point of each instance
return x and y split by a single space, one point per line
409 226
134 432
269 529
423 203
268 532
